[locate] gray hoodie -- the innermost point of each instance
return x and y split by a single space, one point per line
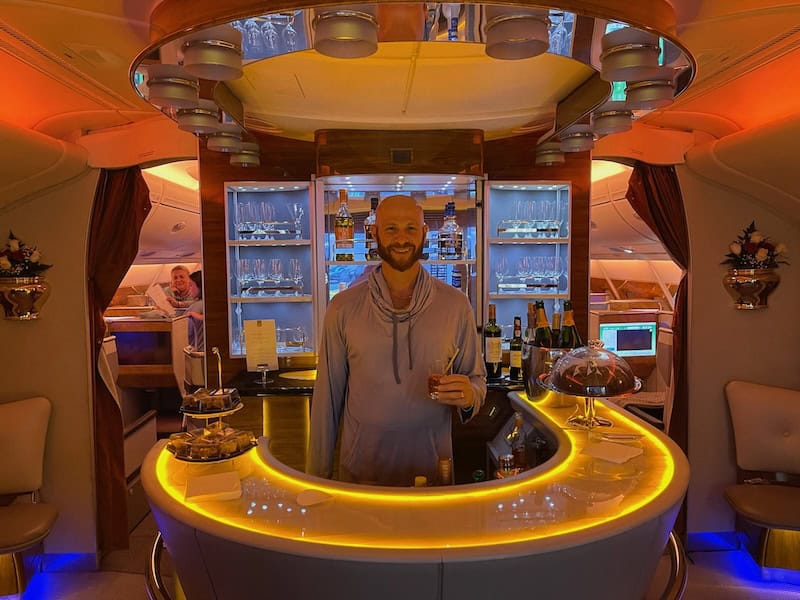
373 376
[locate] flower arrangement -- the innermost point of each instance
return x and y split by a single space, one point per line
753 250
19 260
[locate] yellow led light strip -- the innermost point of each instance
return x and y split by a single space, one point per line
457 495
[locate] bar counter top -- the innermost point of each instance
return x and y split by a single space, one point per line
606 497
284 381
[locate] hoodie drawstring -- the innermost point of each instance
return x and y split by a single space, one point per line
394 349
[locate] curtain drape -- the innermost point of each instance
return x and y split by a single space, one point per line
121 203
654 193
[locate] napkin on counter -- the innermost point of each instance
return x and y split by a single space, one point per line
219 486
612 452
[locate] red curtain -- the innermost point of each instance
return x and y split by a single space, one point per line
655 195
121 203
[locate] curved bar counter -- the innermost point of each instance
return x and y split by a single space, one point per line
576 526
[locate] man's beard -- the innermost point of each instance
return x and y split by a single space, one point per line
403 263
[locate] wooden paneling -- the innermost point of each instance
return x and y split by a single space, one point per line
514 159
282 159
350 151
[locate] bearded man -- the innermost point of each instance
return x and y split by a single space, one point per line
379 341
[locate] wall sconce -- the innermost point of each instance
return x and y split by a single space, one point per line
346 32
612 117
249 155
577 138
516 33
628 54
201 119
549 154
228 138
657 91
170 86
214 53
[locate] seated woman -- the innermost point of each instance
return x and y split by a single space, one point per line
196 315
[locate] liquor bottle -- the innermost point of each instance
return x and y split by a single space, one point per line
555 328
515 351
516 439
451 236
569 336
445 471
542 336
343 229
492 353
455 280
369 236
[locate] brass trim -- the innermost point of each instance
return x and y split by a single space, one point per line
177 80
626 47
503 18
344 13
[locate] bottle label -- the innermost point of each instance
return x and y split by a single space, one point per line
343 232
515 357
492 351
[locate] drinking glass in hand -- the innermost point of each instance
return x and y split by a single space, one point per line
435 373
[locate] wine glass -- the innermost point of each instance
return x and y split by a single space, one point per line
290 36
524 268
276 273
296 211
270 35
296 275
500 271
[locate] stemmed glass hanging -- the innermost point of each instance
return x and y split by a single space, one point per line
270 35
290 36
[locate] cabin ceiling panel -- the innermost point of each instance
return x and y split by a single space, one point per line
406 85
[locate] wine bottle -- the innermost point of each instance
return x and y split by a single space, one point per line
542 336
343 229
515 351
492 353
369 235
569 336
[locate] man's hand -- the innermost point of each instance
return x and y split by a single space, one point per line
456 390
172 301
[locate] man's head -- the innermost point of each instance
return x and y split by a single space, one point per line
179 279
400 231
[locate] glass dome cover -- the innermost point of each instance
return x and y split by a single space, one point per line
593 371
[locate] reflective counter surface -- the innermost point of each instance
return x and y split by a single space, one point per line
580 494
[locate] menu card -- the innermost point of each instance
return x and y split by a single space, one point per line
261 345
159 298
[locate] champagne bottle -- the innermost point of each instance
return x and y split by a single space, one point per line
542 336
515 351
556 326
369 235
569 336
343 229
492 353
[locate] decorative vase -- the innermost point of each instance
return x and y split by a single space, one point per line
750 288
22 297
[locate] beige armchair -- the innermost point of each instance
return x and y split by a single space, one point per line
24 521
766 427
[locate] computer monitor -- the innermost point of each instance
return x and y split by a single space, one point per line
629 339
